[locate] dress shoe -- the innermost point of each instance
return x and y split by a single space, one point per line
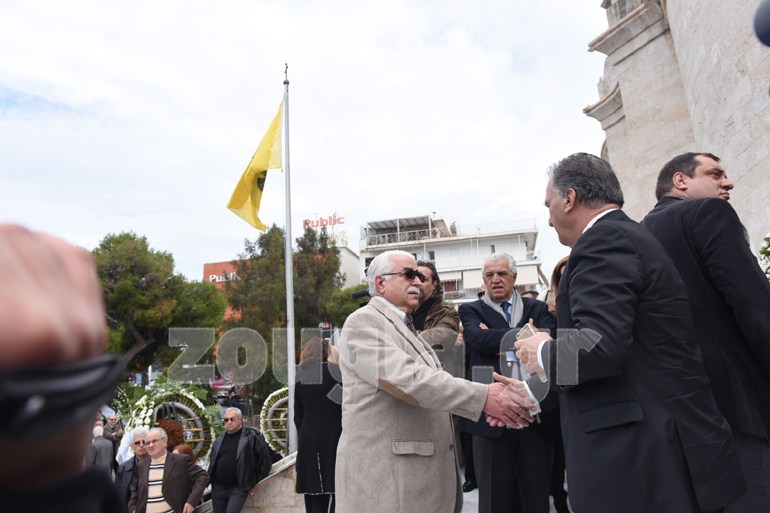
468 486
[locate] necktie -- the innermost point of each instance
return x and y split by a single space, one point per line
506 306
409 323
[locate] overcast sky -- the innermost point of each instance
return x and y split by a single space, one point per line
142 115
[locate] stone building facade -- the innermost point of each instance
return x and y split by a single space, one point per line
686 76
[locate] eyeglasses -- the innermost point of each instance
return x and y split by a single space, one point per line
139 443
230 419
409 274
151 442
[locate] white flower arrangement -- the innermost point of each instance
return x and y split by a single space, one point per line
145 409
268 424
764 255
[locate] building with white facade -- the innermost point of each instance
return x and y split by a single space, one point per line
457 252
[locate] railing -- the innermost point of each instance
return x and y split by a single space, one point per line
378 239
409 236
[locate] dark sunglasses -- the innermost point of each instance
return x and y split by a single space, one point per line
229 419
409 274
139 443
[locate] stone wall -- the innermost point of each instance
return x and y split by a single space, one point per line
687 76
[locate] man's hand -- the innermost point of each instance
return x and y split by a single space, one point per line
507 405
515 392
51 308
188 508
51 313
526 352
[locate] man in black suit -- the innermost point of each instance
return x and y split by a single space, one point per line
729 301
512 466
641 430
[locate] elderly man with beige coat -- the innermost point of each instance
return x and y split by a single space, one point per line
396 453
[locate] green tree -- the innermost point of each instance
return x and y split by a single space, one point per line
341 304
258 296
316 276
143 298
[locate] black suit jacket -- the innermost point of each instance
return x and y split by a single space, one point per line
483 347
730 304
642 432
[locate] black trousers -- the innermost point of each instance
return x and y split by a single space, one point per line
466 442
513 472
319 503
227 500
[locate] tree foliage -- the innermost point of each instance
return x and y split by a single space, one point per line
258 296
143 298
341 304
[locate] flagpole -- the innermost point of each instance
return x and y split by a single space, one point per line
291 430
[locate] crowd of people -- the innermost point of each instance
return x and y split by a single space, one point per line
643 374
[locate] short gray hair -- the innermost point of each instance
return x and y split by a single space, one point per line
593 180
494 257
382 264
140 431
97 431
237 411
163 434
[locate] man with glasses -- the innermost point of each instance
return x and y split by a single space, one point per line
396 452
113 431
126 473
166 482
512 468
240 459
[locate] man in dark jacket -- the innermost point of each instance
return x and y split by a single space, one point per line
641 429
512 467
100 453
240 459
126 473
730 304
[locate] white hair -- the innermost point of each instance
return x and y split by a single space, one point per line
163 434
237 411
98 431
494 257
140 432
382 264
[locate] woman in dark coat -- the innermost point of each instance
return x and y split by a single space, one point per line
318 417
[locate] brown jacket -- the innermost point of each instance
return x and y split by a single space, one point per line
183 482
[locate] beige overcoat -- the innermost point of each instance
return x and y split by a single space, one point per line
396 453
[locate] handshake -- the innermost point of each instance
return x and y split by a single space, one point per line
509 404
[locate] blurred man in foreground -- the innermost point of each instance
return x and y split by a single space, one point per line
52 338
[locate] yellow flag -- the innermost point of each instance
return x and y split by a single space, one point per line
248 193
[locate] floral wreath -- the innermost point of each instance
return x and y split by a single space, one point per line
764 255
272 419
146 410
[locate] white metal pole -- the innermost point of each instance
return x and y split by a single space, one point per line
291 430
